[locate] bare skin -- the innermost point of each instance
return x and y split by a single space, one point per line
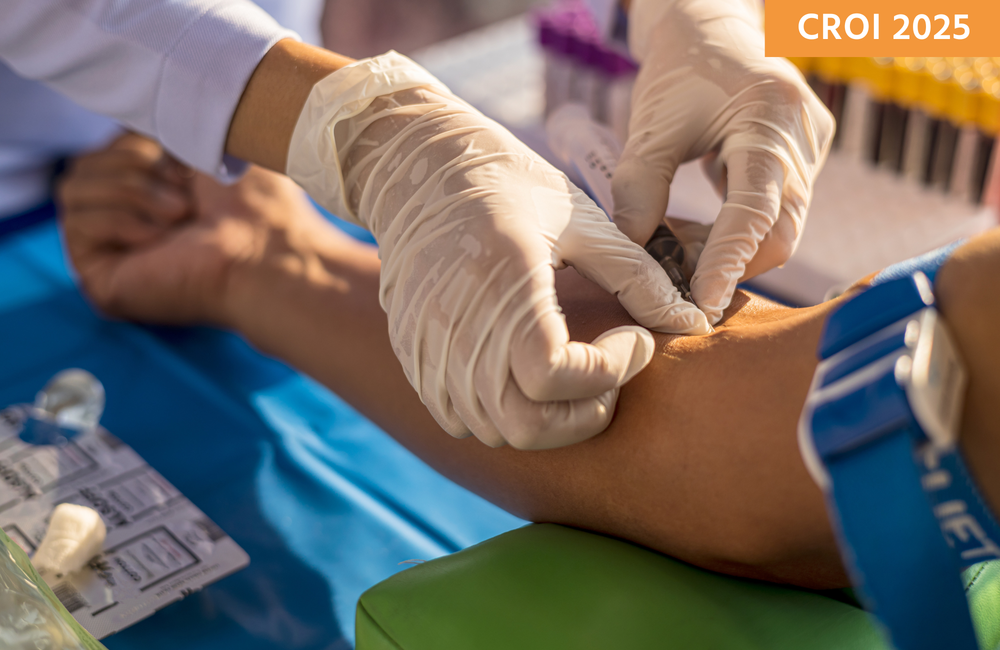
261 129
701 460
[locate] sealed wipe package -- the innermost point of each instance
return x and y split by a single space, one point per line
156 546
31 617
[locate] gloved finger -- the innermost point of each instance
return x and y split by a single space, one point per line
577 370
602 254
527 424
777 246
547 366
450 420
751 209
715 171
466 414
641 194
689 232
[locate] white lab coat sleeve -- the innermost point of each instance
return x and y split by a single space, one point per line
172 69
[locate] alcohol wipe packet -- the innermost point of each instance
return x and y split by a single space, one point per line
159 547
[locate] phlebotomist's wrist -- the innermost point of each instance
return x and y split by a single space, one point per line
265 117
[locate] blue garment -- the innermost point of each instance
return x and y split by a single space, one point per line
325 503
26 219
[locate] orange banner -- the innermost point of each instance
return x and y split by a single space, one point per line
882 28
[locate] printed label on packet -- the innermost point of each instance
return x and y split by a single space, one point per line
160 547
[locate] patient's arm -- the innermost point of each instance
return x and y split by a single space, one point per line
701 460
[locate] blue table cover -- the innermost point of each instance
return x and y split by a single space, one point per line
325 503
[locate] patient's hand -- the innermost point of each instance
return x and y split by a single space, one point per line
153 242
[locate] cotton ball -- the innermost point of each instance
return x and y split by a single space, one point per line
75 534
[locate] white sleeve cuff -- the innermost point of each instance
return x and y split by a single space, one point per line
203 78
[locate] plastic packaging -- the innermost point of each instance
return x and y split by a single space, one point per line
71 402
31 617
74 398
114 539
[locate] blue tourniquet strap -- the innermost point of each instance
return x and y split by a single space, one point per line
966 521
906 573
907 512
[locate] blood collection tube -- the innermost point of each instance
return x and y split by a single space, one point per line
581 37
943 134
989 122
551 38
588 64
912 86
620 71
600 99
861 121
558 35
580 68
895 115
963 90
827 82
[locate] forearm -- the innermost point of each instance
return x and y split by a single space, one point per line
314 304
724 488
672 472
265 117
312 301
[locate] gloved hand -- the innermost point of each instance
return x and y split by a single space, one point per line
471 225
705 85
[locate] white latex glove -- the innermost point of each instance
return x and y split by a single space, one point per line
705 85
471 225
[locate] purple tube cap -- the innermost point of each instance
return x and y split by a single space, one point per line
616 64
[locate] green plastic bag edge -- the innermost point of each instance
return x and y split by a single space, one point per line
21 560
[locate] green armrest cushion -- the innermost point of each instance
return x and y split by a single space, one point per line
546 586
